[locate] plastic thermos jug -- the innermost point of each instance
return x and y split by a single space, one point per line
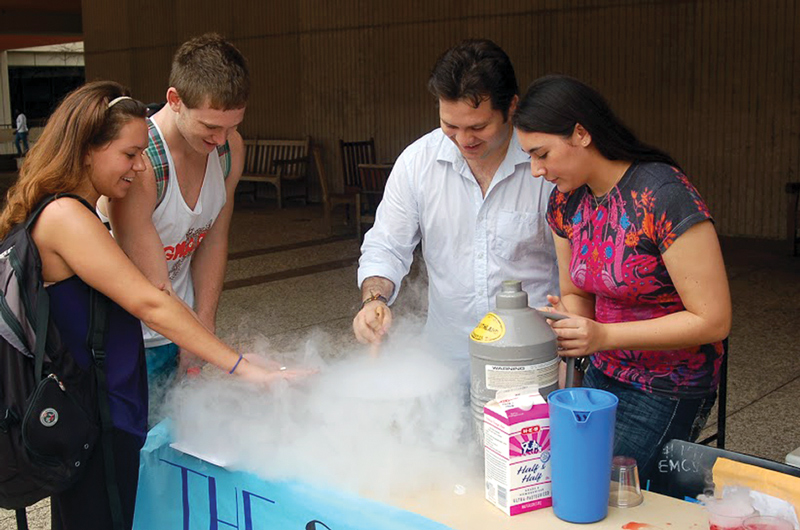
582 444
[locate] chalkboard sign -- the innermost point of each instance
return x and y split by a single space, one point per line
684 469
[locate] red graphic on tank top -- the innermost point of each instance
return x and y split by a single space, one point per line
177 255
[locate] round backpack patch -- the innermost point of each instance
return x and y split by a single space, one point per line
48 417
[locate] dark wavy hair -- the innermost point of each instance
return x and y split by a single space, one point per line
554 104
475 69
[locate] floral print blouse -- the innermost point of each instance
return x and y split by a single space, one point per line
617 241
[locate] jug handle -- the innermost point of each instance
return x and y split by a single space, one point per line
570 381
550 315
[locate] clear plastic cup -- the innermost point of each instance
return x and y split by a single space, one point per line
727 514
767 522
625 489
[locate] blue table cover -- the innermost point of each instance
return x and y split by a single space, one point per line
179 491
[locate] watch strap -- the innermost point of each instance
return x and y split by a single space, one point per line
372 298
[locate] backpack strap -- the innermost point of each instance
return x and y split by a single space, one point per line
99 307
34 215
22 519
157 154
42 298
42 320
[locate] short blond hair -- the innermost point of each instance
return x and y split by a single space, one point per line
209 69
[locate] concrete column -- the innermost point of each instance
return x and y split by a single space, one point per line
5 93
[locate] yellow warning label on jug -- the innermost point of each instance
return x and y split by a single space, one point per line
490 329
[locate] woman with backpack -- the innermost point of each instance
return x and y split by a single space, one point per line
92 145
640 266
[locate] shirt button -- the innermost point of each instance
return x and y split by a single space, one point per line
480 255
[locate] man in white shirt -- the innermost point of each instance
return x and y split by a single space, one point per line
466 191
21 134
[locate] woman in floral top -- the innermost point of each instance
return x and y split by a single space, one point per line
641 271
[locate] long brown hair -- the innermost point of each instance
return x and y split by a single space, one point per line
55 164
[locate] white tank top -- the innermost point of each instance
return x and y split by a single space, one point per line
182 229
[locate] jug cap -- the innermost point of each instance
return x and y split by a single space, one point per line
511 295
582 399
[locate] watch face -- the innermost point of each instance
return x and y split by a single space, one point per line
582 363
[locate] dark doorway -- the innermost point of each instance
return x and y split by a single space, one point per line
37 90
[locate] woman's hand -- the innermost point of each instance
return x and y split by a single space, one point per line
556 305
579 336
256 369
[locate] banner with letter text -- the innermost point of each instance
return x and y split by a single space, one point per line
179 491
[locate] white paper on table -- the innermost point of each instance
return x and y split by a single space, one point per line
186 449
766 504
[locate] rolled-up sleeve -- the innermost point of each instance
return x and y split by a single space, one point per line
388 248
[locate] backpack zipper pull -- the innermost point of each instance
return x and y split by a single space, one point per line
60 384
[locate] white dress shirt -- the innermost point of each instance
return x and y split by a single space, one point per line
470 243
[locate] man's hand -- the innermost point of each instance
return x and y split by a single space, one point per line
375 317
372 322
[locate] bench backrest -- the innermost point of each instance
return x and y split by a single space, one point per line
373 181
353 154
260 156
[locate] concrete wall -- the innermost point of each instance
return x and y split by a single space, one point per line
6 118
716 83
57 55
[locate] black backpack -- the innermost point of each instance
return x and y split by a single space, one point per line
52 411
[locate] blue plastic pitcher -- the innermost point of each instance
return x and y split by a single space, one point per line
582 444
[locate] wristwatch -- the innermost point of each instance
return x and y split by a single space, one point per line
582 364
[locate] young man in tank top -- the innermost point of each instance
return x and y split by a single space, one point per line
174 221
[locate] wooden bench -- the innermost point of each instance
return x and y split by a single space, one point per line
275 162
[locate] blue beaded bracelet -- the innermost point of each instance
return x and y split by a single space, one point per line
236 365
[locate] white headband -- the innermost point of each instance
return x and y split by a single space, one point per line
117 100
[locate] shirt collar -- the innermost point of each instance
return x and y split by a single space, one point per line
448 152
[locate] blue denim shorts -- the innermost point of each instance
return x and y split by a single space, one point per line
162 366
646 421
